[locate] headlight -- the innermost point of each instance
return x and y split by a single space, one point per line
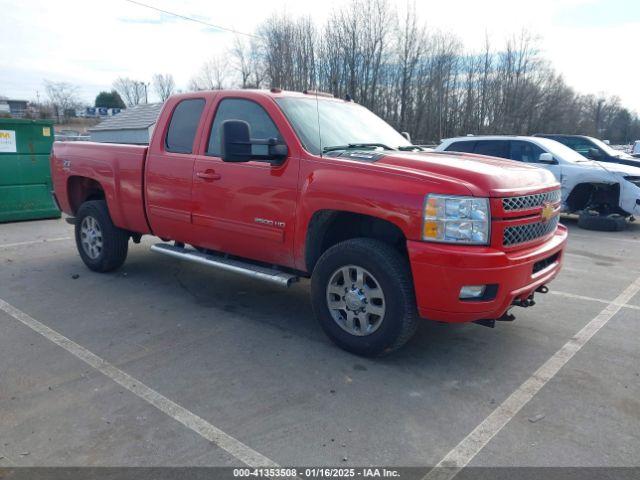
454 219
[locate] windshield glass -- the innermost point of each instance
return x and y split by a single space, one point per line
606 148
341 123
561 151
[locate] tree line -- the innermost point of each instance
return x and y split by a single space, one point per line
422 81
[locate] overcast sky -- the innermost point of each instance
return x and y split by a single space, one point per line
593 43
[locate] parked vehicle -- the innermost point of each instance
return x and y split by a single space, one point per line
602 193
281 185
635 150
593 149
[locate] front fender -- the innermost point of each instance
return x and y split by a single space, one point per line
392 197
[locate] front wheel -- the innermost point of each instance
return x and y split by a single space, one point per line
363 297
102 246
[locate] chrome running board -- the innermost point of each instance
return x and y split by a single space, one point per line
241 267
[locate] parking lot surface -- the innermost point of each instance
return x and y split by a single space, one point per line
197 367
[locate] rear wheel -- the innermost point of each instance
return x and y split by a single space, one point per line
363 297
102 246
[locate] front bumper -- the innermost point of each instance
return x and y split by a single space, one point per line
630 198
439 271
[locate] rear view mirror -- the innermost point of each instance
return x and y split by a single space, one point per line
236 141
406 135
277 151
546 157
594 153
237 145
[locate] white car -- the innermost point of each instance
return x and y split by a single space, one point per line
587 186
635 150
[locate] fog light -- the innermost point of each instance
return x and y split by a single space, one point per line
472 291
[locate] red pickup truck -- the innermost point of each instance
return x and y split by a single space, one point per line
280 185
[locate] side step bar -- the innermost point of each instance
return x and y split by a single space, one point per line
230 265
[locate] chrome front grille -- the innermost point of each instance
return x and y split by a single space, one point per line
510 204
528 232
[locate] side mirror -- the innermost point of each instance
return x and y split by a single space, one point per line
277 151
594 153
547 158
236 141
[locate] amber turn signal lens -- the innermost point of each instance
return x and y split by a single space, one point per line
431 208
430 229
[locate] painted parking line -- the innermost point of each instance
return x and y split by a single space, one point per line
591 299
189 419
460 456
33 242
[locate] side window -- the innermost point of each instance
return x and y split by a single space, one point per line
493 148
579 145
525 151
260 124
183 125
465 147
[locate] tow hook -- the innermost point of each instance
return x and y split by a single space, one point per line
524 302
542 289
491 323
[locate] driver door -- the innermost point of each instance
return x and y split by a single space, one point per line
248 208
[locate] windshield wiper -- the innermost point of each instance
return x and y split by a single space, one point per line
410 148
356 145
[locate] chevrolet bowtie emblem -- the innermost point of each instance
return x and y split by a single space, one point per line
547 212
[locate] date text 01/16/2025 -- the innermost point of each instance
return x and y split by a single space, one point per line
317 472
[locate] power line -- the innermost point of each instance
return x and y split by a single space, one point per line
191 19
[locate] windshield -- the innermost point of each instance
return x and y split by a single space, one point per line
341 123
606 148
561 151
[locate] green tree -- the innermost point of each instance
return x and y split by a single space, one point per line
110 99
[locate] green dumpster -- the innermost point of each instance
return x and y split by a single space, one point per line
25 176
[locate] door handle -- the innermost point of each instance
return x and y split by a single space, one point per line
208 175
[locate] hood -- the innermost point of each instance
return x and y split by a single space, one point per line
483 176
624 156
617 168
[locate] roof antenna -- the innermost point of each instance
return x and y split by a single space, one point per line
318 114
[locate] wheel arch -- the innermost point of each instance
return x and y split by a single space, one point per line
594 195
329 227
82 189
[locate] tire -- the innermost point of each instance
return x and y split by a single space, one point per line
381 265
603 223
109 250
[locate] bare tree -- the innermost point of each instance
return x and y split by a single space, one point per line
213 75
63 97
163 85
421 81
133 92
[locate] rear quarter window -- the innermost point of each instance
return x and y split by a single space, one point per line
184 125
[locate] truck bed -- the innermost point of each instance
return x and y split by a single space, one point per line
118 168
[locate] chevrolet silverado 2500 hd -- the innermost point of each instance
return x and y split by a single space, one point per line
280 185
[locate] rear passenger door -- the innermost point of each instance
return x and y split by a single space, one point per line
169 171
492 148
